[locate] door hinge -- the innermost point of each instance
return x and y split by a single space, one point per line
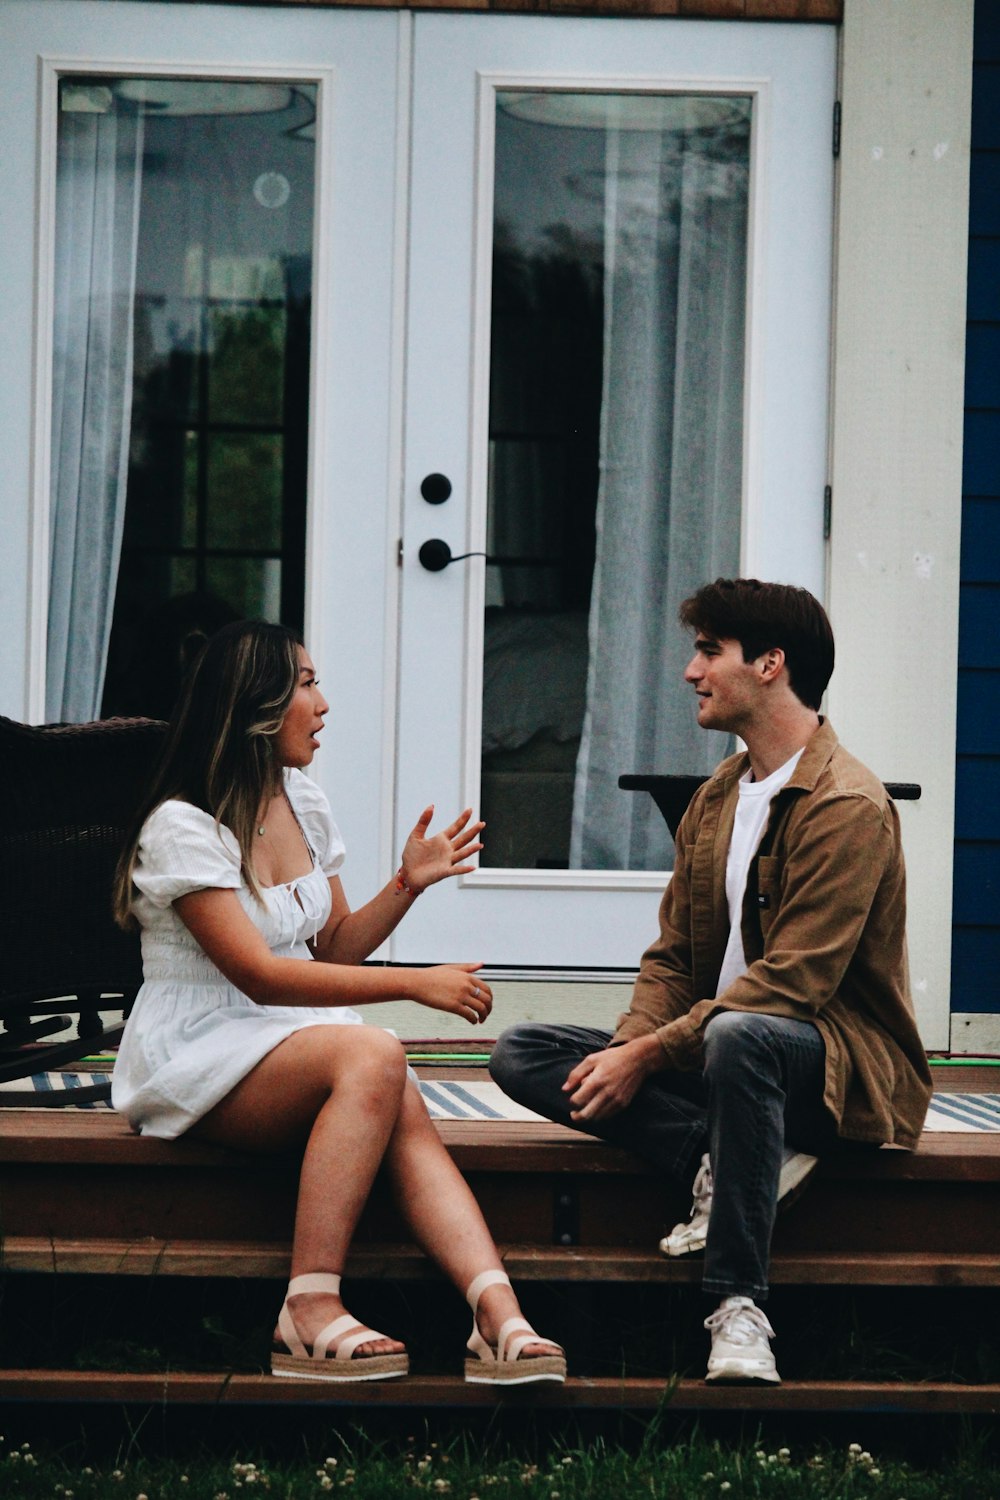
836 128
827 511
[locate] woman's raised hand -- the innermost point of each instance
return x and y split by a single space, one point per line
428 860
456 988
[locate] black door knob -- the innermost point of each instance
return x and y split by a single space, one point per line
435 488
434 555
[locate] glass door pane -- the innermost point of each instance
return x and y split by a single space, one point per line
616 455
193 198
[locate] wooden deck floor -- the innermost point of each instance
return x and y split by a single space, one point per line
82 1196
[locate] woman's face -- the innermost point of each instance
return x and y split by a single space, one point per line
296 741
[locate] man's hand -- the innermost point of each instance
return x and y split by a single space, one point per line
605 1083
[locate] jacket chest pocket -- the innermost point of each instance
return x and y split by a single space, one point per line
768 890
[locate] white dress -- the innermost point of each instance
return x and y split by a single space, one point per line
192 1035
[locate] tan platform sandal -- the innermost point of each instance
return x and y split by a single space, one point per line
503 1365
295 1359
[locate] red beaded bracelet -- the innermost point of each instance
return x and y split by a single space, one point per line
401 884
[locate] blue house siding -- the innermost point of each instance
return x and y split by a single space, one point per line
976 941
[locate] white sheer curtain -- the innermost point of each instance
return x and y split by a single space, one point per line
97 218
668 513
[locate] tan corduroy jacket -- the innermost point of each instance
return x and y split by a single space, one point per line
823 932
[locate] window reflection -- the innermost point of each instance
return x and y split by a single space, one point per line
220 286
616 395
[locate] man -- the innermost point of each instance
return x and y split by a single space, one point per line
772 1015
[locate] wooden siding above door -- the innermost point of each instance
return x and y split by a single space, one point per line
702 10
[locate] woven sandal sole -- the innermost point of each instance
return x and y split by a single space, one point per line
517 1372
374 1367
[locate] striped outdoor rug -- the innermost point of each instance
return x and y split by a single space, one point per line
469 1099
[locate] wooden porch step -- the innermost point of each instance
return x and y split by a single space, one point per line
80 1191
525 1262
177 1388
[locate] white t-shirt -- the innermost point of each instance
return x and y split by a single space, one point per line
748 829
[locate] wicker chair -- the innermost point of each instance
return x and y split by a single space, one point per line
72 791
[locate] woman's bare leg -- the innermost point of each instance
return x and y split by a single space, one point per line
443 1214
338 1089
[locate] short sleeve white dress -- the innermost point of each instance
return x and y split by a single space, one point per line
192 1035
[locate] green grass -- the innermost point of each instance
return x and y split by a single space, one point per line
463 1469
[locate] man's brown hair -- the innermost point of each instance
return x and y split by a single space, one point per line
763 615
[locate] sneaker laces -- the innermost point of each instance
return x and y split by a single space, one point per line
739 1321
701 1207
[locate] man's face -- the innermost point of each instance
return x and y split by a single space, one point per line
728 687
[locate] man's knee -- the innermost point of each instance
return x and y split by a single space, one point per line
732 1037
512 1050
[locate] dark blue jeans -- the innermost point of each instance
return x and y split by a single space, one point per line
760 1089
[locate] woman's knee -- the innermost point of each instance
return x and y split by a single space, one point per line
364 1057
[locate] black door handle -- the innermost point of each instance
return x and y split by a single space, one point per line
435 555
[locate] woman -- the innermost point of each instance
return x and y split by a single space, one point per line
244 1031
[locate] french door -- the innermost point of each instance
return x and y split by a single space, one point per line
616 363
568 302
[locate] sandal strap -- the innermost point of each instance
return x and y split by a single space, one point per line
345 1349
314 1281
326 1336
477 1287
507 1348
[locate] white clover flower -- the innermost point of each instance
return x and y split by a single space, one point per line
724 1486
325 1482
329 1463
854 1448
707 1476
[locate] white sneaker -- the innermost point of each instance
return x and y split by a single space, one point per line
740 1348
796 1169
684 1239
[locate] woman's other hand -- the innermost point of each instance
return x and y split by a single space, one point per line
456 988
426 860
